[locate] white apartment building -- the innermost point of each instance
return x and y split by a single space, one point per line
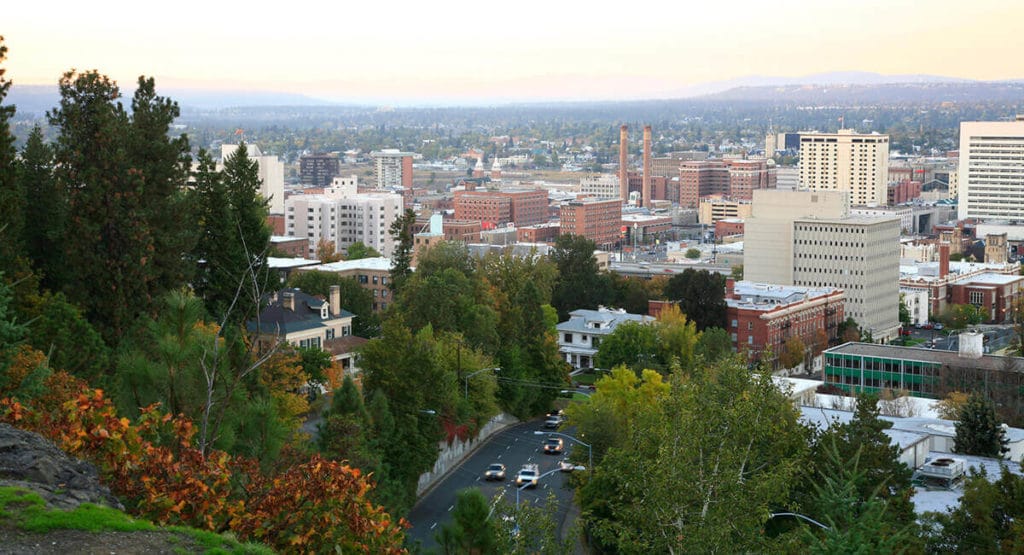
393 168
343 216
991 173
846 161
271 174
809 238
601 185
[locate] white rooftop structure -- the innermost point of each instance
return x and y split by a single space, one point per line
375 263
579 336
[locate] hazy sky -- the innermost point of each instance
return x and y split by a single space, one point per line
527 49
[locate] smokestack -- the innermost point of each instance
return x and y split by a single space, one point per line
335 300
646 193
624 162
943 260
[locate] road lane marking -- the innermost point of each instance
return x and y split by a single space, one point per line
432 526
450 508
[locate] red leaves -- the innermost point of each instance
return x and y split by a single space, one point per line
315 505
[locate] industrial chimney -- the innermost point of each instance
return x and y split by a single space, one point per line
624 163
646 191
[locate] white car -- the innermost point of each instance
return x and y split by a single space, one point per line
528 476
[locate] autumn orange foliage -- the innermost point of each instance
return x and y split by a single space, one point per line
151 464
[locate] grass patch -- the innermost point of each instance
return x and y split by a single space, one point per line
585 378
27 511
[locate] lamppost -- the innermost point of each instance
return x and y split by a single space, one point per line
590 450
802 517
466 378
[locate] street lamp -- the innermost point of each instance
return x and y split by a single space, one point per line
526 485
574 391
466 378
590 450
802 517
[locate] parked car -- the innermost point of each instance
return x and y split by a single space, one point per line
553 445
904 332
928 326
528 475
938 326
495 471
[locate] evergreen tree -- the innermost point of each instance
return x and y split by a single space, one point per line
107 245
12 200
401 260
235 238
45 208
470 531
164 164
882 474
977 431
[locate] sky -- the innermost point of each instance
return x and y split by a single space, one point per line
450 50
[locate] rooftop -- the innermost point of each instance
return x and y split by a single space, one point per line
281 263
764 296
376 263
951 358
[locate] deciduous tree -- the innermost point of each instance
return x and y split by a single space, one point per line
700 295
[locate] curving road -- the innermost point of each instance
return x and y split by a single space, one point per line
513 447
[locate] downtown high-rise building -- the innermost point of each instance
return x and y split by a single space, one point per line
991 174
846 161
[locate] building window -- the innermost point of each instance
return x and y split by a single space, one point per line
330 334
567 338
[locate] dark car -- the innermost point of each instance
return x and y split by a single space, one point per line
553 445
495 471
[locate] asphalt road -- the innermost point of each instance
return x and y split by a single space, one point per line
512 447
996 338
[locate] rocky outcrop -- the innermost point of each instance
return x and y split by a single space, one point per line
31 461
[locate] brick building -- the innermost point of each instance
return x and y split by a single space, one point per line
519 207
286 246
728 227
372 274
994 288
736 179
597 220
903 191
762 317
543 233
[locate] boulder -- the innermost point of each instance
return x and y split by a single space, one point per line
33 462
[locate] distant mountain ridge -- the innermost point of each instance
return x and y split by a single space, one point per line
838 87
38 99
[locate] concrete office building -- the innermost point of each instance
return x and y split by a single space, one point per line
271 172
846 161
808 238
604 186
343 216
991 174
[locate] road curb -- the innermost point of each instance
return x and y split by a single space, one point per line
440 478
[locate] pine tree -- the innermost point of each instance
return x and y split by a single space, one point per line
107 246
977 431
164 163
235 238
401 260
12 200
45 208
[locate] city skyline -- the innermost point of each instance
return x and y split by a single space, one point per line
462 51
